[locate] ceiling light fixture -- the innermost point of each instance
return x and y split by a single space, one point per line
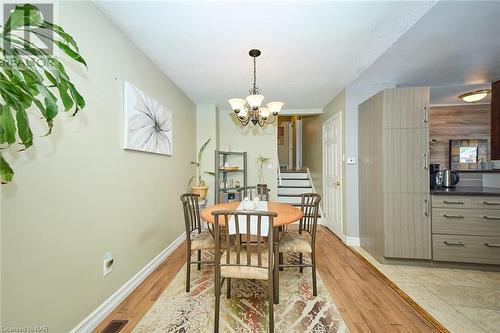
475 96
249 109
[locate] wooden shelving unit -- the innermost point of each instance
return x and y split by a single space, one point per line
221 175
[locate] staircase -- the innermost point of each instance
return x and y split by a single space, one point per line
293 184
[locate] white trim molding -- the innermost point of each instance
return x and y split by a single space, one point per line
351 241
298 112
99 314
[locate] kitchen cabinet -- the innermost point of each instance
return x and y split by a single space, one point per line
394 199
466 229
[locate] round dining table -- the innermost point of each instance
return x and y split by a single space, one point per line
286 214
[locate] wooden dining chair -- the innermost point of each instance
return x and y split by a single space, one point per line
297 242
243 259
196 238
253 191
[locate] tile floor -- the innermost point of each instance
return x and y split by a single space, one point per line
462 300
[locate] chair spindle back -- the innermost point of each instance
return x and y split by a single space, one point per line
310 208
234 243
191 212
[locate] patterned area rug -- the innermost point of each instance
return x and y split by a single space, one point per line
247 309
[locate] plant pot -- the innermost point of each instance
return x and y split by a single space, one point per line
201 190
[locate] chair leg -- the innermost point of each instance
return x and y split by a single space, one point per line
217 302
188 270
228 291
281 261
271 305
275 282
313 261
199 259
301 262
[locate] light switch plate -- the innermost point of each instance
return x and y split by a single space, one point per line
351 160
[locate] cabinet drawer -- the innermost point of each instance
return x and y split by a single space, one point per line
473 249
452 201
486 202
485 222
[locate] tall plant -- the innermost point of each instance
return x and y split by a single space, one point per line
197 164
30 77
262 160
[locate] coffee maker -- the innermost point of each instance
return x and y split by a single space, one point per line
434 173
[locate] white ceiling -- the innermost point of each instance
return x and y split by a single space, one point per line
456 43
310 50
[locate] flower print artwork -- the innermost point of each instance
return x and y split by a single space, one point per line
148 124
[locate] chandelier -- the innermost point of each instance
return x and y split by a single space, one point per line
249 109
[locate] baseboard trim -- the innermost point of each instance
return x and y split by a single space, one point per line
351 241
99 314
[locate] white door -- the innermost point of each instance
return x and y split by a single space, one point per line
332 174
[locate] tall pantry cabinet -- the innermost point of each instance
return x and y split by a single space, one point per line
394 198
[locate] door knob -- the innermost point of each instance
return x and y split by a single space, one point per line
337 183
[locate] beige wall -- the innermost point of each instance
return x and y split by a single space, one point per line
206 128
78 193
312 136
254 140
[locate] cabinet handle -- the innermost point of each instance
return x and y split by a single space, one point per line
426 114
427 210
454 243
491 217
426 161
453 216
453 202
491 245
491 203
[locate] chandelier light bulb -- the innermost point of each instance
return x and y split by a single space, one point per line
264 113
275 107
237 104
242 113
254 101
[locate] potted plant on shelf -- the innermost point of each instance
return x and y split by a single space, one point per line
262 160
199 184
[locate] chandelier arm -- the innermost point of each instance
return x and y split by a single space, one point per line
269 121
245 121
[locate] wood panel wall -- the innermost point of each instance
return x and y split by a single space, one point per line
495 120
457 122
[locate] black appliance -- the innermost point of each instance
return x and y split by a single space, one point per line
433 173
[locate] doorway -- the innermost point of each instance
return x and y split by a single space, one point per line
290 142
332 174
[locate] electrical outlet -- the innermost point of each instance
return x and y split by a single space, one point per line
107 266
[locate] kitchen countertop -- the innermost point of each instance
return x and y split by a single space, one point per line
467 190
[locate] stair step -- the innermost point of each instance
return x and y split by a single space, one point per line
294 182
294 175
294 199
294 190
294 186
293 171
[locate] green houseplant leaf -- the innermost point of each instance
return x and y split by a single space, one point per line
30 78
197 164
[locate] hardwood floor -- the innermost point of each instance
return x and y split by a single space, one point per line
367 303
